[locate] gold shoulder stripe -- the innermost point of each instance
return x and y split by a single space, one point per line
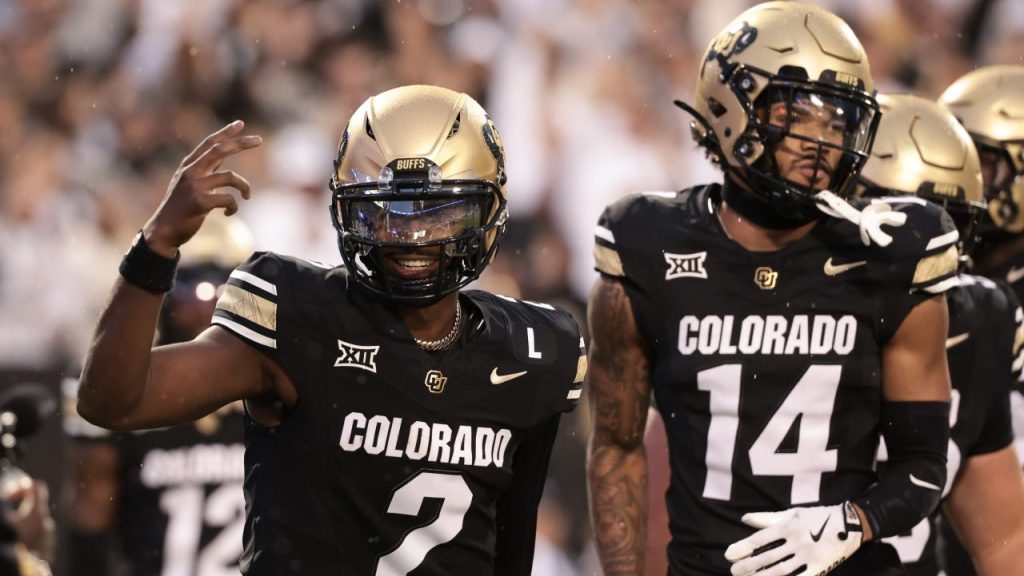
581 370
608 261
245 304
937 266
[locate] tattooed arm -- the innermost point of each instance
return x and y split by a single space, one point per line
619 392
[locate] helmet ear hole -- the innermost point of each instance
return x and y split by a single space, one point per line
716 108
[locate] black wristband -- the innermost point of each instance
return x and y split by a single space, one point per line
147 269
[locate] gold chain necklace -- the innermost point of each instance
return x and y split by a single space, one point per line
448 339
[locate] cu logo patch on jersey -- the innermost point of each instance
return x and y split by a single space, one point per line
766 278
435 381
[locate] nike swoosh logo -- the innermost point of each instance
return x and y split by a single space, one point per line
1014 274
836 269
918 482
821 530
502 378
954 340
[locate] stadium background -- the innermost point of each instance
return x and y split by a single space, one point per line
100 99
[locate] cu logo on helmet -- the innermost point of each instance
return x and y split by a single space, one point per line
765 278
435 381
735 41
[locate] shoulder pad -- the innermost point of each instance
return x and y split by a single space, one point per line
248 307
626 225
1001 312
925 247
550 327
532 312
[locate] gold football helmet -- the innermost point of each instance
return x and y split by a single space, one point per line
221 245
989 102
784 70
222 242
419 197
921 149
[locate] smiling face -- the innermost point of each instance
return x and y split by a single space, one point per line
412 233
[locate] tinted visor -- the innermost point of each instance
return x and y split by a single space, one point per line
817 137
395 221
831 119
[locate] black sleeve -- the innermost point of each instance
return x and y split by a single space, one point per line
917 437
517 507
997 431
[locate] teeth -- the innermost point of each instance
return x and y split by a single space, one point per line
415 263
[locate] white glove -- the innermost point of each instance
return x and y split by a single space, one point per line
869 220
820 538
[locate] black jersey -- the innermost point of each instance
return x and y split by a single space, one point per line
397 461
181 509
766 365
958 562
1013 274
982 346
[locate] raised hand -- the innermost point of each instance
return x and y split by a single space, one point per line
194 190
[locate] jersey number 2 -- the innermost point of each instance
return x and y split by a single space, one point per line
407 500
812 400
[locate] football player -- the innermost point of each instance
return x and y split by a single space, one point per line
395 424
920 149
989 102
779 342
172 498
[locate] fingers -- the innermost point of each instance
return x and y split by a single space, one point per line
221 200
784 568
747 546
218 136
211 159
754 563
764 519
227 178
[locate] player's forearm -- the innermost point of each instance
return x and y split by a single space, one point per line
1003 558
916 435
117 363
617 478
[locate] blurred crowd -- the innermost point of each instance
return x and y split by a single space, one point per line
100 99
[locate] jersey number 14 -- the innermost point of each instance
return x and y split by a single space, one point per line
812 400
